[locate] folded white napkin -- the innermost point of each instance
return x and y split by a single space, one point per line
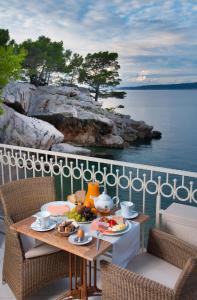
125 246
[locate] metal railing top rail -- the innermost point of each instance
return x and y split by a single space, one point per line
102 160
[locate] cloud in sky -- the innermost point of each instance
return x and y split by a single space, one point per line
155 39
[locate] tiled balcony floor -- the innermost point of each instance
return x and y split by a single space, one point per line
50 292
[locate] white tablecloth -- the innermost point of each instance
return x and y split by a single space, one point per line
125 246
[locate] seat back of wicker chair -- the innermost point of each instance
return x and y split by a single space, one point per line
186 287
22 198
170 248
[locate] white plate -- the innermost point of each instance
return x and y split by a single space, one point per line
129 225
36 227
57 203
132 216
81 223
72 240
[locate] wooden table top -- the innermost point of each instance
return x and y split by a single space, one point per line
53 238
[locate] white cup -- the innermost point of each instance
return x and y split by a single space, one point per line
127 208
43 219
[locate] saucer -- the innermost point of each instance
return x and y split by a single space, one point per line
87 239
36 227
132 216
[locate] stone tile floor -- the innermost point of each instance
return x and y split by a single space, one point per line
50 292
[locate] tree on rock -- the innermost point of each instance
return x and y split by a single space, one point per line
44 57
100 70
72 67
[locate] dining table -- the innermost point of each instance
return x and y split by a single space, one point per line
82 258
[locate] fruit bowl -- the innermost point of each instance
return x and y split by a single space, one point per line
82 214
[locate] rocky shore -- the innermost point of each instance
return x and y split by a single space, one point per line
65 119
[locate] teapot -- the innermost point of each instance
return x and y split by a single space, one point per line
104 203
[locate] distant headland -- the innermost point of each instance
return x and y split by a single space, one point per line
177 86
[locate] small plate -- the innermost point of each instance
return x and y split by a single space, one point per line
87 240
134 215
36 227
66 234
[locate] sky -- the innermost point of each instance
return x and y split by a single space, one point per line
156 40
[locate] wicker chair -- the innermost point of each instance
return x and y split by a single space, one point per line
118 283
21 199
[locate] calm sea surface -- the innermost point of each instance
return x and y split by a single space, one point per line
174 113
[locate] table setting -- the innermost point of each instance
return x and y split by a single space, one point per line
86 226
84 216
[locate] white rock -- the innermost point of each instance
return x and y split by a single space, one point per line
56 90
20 130
18 95
67 148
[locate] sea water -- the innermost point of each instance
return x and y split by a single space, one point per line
174 113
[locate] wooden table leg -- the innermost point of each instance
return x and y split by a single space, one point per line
82 288
75 262
95 275
90 273
70 271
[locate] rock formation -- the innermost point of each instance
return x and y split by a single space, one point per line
20 130
74 114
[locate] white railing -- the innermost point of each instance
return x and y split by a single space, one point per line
150 188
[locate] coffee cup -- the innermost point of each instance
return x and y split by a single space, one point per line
127 208
43 219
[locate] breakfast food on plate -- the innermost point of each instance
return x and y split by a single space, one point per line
119 220
81 213
59 210
67 228
112 224
78 197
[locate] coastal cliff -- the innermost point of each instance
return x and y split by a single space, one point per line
64 115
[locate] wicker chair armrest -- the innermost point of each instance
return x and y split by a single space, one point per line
170 248
118 283
13 239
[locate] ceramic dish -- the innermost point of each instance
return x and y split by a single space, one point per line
57 203
80 223
65 234
115 233
87 240
67 228
36 227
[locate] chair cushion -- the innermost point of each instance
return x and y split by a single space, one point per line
43 249
155 269
29 242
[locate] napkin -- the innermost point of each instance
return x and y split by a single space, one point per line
124 246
